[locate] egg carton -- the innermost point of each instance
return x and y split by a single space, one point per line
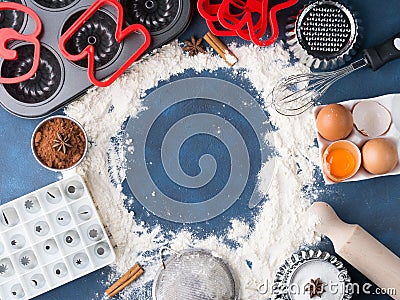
392 103
50 237
57 80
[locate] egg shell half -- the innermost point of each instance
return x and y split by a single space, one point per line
346 145
371 118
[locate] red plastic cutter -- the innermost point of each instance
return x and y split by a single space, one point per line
209 11
120 35
248 19
9 34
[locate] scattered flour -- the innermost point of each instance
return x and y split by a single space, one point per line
281 226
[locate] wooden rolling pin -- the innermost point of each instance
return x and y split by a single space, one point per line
358 247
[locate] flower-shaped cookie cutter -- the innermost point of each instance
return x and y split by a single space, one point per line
9 34
120 35
248 19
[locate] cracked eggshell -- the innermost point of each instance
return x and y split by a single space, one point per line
345 145
371 118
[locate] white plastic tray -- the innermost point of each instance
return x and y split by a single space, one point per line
392 103
50 237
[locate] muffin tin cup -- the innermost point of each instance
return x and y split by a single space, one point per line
392 103
18 19
48 79
167 18
33 143
102 24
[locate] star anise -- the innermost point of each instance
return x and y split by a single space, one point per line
194 46
315 287
61 143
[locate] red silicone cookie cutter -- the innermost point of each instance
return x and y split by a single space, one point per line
239 16
248 19
9 34
273 22
209 11
120 35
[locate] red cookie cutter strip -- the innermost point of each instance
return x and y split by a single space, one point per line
9 34
209 11
120 35
242 22
248 19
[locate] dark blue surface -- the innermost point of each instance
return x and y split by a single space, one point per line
374 204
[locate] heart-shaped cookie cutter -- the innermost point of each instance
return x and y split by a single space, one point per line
120 35
9 34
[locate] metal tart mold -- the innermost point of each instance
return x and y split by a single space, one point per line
292 280
324 35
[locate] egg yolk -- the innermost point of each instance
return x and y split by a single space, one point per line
341 163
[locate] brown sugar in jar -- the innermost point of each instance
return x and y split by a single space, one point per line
59 143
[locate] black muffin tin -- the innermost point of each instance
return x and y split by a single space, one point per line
58 80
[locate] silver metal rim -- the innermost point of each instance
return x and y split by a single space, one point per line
308 59
288 269
175 255
58 117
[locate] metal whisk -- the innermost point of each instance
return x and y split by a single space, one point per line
296 93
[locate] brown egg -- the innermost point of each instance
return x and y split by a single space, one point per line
379 156
334 122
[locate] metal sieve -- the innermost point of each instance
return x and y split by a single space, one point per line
195 274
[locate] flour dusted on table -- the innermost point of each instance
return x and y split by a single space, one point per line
281 226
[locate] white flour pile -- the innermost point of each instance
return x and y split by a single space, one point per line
281 226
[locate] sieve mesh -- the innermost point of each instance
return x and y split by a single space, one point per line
195 274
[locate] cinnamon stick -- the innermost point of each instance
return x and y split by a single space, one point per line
221 48
120 284
130 280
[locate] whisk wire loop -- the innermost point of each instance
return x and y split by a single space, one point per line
297 93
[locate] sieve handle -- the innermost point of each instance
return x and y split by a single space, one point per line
379 55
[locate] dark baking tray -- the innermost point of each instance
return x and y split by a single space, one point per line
59 81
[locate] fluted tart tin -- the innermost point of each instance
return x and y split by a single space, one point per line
324 35
312 273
